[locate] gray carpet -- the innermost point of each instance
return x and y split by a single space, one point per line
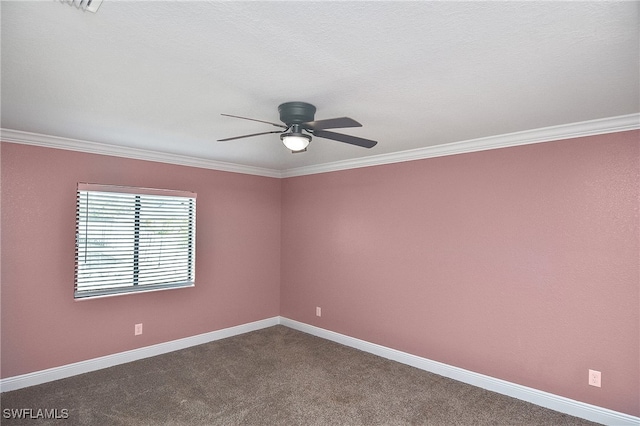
274 376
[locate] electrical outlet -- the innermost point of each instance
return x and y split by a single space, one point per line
594 378
318 311
137 329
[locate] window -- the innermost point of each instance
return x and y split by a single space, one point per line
133 239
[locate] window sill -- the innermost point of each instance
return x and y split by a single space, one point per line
100 294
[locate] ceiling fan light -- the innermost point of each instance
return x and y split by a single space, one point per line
295 141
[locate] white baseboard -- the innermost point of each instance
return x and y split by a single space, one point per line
541 398
538 397
56 373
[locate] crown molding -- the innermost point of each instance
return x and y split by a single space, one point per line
37 139
546 134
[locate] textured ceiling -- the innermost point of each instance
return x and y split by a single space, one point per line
157 75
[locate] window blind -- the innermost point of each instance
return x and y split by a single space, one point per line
133 239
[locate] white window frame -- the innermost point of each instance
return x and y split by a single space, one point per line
131 240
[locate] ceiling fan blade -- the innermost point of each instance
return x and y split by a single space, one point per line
332 123
248 136
353 140
253 119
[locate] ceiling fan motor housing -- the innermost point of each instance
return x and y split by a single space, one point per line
296 112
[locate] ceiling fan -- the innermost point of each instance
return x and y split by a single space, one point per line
299 125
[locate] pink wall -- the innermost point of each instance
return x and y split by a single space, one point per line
519 263
237 259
